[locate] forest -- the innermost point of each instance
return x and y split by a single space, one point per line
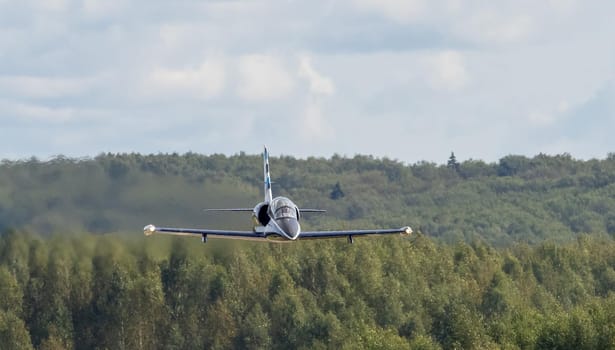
517 254
517 199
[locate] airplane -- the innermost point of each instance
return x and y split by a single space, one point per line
275 220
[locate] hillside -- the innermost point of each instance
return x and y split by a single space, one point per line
517 199
514 254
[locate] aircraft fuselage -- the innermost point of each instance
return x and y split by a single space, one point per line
278 217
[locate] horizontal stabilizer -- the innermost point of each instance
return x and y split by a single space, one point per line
312 210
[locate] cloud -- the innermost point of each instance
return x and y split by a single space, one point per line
398 10
447 71
565 6
597 111
173 35
102 8
53 5
462 24
45 87
585 131
32 113
319 84
9 40
548 117
203 82
263 77
314 124
541 118
492 27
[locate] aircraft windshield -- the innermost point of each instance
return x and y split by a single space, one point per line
282 207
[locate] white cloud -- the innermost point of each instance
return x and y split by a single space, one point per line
447 71
102 8
541 118
398 10
263 77
203 82
9 40
564 6
52 5
314 124
40 116
476 22
38 113
443 72
493 27
319 84
44 87
181 38
173 35
549 116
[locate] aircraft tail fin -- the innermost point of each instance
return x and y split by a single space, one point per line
267 177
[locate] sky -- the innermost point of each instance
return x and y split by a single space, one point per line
411 80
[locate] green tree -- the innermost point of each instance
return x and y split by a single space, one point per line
11 295
13 332
255 329
336 192
452 163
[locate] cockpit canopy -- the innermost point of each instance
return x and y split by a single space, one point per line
282 207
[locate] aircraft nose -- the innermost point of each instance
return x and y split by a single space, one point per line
290 226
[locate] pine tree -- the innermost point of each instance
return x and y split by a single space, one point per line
452 162
336 192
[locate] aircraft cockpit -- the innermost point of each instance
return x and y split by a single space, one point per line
282 207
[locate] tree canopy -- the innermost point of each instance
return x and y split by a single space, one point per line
117 292
518 199
514 254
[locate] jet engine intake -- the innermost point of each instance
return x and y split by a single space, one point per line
260 212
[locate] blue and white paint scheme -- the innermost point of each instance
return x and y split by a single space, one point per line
275 219
267 180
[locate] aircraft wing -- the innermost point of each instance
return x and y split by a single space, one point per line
230 209
246 235
331 234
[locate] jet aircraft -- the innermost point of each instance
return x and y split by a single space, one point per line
275 219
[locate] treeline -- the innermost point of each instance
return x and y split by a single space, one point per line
517 199
110 292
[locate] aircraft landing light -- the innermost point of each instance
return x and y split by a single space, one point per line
149 229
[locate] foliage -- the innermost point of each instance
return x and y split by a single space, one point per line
518 199
515 254
379 293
